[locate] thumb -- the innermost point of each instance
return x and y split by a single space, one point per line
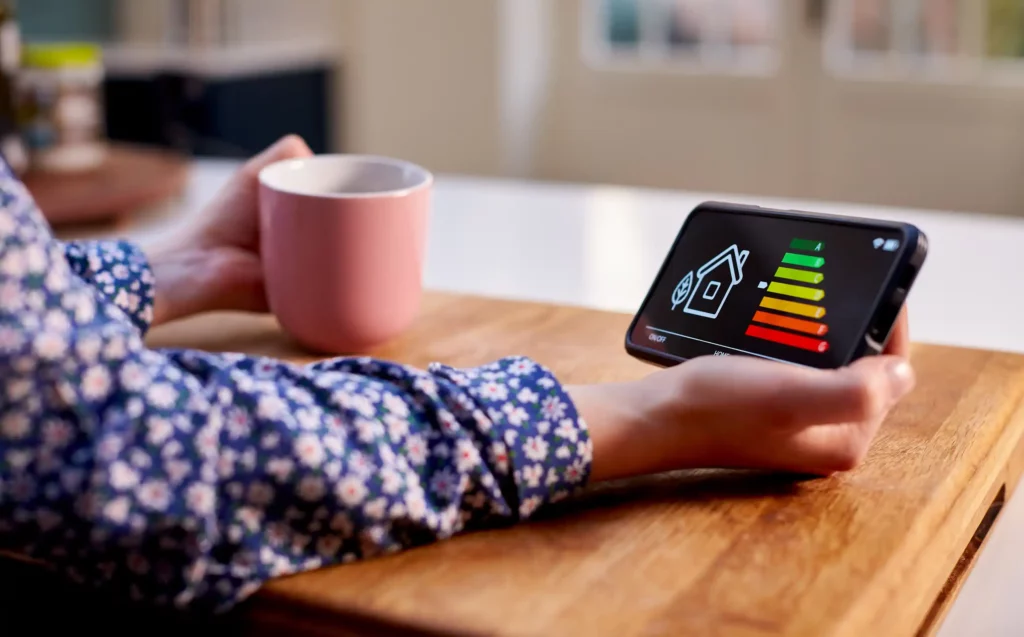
288 147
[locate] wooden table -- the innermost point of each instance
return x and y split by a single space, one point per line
879 551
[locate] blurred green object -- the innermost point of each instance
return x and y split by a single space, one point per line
623 22
57 56
1005 35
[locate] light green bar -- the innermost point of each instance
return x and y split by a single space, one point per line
798 291
803 259
799 275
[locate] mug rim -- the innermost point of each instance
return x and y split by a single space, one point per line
267 173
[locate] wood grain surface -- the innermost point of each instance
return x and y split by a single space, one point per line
878 551
131 179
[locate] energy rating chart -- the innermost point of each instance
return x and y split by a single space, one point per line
794 298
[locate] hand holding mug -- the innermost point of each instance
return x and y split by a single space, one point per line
215 264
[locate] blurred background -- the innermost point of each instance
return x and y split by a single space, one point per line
896 102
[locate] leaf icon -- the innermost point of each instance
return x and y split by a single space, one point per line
682 291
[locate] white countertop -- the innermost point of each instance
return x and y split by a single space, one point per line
601 247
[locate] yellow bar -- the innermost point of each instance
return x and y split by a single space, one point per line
804 276
803 309
799 291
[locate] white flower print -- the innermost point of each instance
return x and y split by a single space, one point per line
552 477
483 422
122 476
309 450
307 419
532 475
574 472
499 457
134 377
536 448
13 264
467 456
15 425
280 468
543 427
201 498
154 494
311 488
50 346
415 505
250 517
368 430
162 395
271 408
117 510
116 348
158 430
552 408
426 385
527 395
360 464
396 405
398 427
563 453
391 481
447 419
376 509
493 391
516 416
96 383
521 367
567 430
444 483
529 505
10 339
416 449
57 321
585 449
351 491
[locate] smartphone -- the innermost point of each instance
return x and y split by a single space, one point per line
796 287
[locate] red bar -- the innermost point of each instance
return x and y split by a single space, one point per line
785 338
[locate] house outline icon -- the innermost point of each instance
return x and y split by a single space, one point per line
715 280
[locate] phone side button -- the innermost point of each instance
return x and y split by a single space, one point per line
873 346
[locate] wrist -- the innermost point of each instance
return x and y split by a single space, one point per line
634 433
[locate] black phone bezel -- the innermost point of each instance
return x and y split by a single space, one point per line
886 305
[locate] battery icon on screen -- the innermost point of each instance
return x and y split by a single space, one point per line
891 245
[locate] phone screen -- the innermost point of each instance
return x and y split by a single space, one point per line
788 289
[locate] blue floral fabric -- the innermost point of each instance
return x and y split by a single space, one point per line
190 478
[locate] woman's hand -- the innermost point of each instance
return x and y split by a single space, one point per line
215 264
744 412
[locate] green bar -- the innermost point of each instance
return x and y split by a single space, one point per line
804 260
799 291
806 244
799 275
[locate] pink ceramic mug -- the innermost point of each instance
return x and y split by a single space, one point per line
343 240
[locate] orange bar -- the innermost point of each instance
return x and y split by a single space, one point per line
790 323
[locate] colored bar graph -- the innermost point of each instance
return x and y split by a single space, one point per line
790 323
799 291
785 338
806 244
803 276
803 309
803 259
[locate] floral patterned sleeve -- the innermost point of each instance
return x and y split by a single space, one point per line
189 478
